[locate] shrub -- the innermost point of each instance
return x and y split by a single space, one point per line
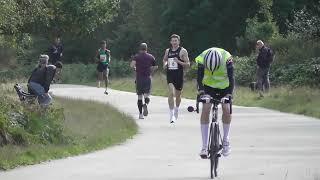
303 74
28 125
245 69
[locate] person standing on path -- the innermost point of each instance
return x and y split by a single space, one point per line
144 64
264 61
103 57
175 60
55 54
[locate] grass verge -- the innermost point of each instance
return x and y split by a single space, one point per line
300 100
88 126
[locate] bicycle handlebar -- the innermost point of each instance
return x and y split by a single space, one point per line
211 100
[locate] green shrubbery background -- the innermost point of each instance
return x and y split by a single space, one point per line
29 124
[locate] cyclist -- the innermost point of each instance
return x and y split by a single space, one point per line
215 79
174 61
144 64
103 56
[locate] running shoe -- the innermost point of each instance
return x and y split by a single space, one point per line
145 110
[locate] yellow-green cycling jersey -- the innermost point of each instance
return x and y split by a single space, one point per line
219 78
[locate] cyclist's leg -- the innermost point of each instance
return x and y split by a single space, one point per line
204 121
226 120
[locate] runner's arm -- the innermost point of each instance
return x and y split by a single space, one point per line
185 57
200 77
109 54
154 66
165 59
230 70
97 57
133 64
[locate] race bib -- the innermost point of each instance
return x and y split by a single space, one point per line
103 57
172 65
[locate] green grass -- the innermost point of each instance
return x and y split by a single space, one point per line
301 100
88 125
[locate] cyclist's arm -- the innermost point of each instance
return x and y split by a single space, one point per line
230 70
165 58
185 57
200 77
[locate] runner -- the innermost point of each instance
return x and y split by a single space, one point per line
215 79
144 64
104 58
174 61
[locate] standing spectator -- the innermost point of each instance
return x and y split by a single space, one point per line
264 61
55 54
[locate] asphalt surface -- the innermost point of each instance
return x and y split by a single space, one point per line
266 145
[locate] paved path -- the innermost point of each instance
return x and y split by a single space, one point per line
266 145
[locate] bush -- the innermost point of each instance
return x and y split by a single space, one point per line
294 50
83 73
22 125
302 74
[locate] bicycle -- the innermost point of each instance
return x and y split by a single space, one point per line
215 138
24 96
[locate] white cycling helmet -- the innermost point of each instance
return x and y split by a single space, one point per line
212 60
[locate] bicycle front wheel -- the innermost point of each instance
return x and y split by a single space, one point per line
214 149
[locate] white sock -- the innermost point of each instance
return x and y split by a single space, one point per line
205 134
171 112
176 109
226 128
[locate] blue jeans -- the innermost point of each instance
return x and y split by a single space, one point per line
43 97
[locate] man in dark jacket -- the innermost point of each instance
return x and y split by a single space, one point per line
40 80
264 61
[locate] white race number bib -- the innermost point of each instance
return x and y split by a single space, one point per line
103 57
172 65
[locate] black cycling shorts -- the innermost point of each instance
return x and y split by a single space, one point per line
102 67
143 86
216 93
175 78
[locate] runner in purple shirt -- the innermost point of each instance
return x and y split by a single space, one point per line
144 64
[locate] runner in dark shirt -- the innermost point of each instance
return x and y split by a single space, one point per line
144 64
